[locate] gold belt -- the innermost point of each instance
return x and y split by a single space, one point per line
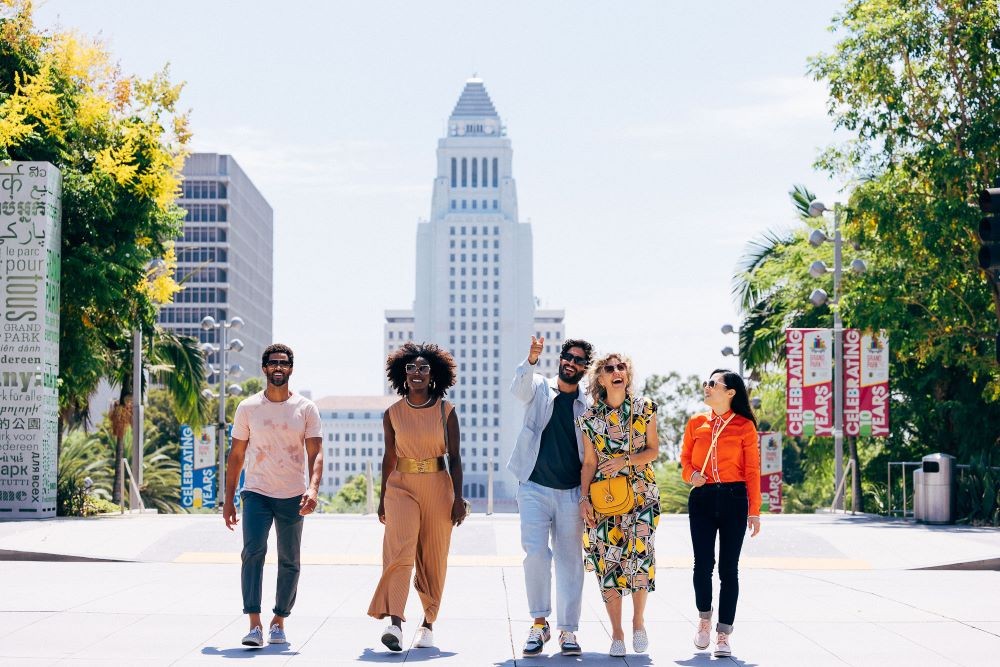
420 465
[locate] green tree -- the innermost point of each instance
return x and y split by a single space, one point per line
177 363
119 143
352 496
677 399
917 84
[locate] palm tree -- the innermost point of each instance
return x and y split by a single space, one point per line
770 287
174 361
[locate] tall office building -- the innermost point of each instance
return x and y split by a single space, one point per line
474 291
224 258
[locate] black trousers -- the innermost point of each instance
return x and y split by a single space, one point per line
718 509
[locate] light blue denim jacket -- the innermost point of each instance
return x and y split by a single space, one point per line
537 392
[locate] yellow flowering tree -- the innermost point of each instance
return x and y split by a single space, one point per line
119 142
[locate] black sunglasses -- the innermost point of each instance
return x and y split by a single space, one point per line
277 363
713 384
423 369
579 361
620 366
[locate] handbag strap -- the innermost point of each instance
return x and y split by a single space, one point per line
444 426
715 440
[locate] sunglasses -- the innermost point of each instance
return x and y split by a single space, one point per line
275 363
620 366
712 384
423 369
579 361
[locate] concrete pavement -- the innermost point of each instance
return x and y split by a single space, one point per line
816 590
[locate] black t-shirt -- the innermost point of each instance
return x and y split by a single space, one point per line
558 465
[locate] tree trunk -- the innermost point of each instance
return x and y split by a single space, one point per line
856 505
121 417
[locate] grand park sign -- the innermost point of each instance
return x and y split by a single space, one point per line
30 216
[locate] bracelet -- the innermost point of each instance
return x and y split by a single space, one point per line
583 499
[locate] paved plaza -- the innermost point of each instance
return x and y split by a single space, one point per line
815 590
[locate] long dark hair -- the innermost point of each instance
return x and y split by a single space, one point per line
741 401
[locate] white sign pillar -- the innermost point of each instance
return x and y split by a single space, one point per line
30 253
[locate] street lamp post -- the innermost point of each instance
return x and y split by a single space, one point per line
208 323
153 270
818 298
728 350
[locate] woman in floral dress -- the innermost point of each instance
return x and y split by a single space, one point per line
619 434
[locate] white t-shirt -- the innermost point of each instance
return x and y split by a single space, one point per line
275 461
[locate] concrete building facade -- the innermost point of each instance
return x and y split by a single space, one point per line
224 258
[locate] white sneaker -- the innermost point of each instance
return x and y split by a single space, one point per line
640 640
392 637
722 649
701 638
617 648
424 639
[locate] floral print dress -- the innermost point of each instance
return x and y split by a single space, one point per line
619 549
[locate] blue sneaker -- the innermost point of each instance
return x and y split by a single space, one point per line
254 638
276 635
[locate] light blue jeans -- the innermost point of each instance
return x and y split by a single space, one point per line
552 513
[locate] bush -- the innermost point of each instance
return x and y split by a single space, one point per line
82 458
673 490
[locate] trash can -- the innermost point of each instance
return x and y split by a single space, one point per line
940 488
919 509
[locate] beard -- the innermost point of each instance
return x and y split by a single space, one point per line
280 382
569 377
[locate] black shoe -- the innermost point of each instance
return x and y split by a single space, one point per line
537 636
567 643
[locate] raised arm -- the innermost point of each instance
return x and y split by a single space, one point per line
525 378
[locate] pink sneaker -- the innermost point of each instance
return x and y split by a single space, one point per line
704 630
722 649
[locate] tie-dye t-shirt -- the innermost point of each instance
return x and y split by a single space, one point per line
275 461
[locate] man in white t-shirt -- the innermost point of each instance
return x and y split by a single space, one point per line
274 432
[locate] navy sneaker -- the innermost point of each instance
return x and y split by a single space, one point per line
568 644
537 636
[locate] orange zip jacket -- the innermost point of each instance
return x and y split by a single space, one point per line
736 457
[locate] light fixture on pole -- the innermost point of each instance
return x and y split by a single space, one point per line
208 323
818 297
728 350
154 269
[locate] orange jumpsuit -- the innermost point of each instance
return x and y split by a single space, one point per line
417 516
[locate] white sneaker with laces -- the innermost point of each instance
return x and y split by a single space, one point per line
701 638
722 649
392 637
424 639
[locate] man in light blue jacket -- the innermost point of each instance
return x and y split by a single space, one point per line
547 460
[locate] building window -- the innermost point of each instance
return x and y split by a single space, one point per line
475 172
465 170
494 172
485 183
454 173
454 204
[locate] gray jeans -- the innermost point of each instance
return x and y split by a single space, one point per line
259 512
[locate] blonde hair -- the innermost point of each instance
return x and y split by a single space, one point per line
597 392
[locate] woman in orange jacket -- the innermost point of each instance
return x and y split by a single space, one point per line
721 461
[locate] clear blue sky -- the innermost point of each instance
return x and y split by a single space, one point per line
652 140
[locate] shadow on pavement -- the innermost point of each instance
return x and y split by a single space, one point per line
411 655
588 658
706 658
246 652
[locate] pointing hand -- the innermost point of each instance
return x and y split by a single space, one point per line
537 345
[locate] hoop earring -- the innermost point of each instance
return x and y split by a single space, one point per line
432 384
406 386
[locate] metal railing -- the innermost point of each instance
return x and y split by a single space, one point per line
126 470
905 512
